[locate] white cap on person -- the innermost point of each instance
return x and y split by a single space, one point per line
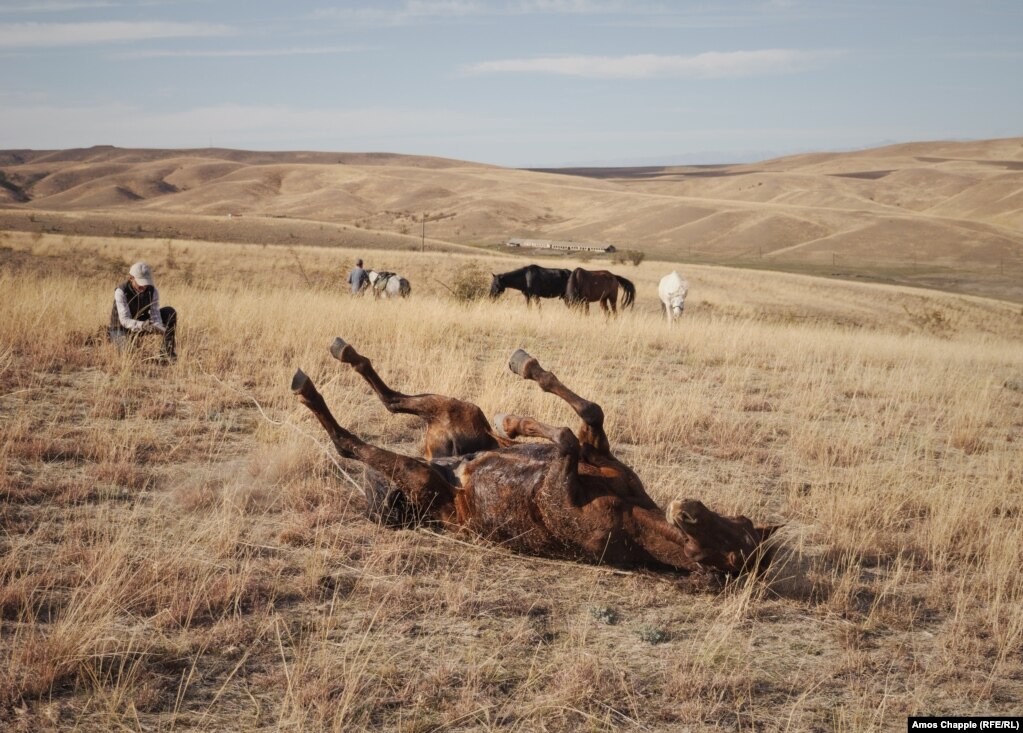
142 274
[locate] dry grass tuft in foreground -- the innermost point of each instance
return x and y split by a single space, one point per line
180 550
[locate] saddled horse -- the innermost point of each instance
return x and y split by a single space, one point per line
388 284
672 291
534 281
588 286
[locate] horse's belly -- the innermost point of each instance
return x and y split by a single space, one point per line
499 488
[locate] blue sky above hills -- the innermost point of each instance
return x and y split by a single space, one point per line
515 82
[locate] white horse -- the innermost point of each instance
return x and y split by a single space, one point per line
672 291
388 284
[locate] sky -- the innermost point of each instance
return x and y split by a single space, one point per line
520 83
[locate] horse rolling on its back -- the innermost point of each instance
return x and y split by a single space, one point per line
588 286
672 292
533 281
388 285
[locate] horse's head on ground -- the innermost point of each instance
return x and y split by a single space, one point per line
728 544
496 286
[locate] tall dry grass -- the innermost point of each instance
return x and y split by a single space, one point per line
180 550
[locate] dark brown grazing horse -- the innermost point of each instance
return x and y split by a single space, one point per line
588 286
568 497
534 281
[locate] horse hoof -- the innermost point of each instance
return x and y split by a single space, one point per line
682 512
674 513
337 347
299 381
498 423
517 362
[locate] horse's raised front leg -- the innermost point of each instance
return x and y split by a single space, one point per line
453 427
602 525
660 539
592 431
612 521
428 493
514 426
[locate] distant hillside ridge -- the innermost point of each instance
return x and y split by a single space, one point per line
942 214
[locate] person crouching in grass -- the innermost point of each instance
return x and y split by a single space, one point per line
137 312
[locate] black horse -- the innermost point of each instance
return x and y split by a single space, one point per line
534 282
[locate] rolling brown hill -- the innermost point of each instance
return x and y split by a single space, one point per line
939 214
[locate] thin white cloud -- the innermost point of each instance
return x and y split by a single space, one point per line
417 11
25 7
710 65
411 12
986 55
40 35
581 7
620 13
237 53
56 6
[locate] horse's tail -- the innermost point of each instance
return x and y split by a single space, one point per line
630 291
563 277
572 288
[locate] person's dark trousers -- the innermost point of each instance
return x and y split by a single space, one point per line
123 339
169 316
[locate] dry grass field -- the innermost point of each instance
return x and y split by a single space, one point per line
181 551
945 215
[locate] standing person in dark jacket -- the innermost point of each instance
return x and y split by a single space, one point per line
358 278
137 312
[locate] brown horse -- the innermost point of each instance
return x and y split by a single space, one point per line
587 286
568 497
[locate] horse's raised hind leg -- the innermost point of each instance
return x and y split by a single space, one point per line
592 431
453 427
429 494
393 401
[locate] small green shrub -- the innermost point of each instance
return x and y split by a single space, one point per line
605 615
652 634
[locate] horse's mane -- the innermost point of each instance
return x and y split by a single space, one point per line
532 265
518 271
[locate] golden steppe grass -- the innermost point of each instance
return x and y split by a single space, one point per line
181 551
